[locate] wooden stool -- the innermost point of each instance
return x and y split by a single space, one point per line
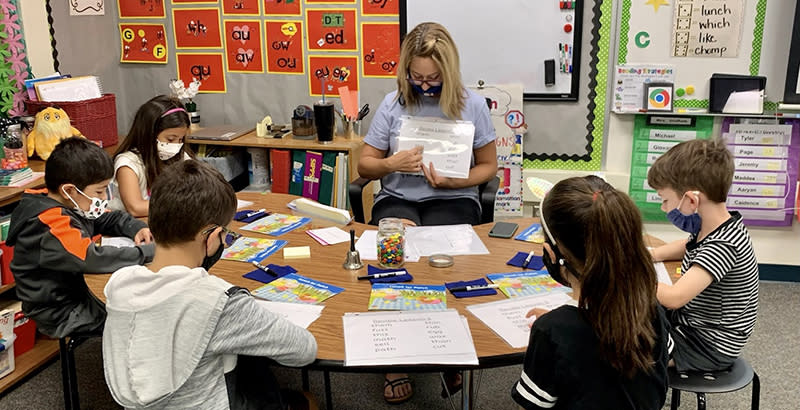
737 377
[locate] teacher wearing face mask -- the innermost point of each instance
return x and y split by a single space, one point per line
428 85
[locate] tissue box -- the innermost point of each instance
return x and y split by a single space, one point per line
6 342
24 334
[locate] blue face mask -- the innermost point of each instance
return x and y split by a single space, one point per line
430 92
688 223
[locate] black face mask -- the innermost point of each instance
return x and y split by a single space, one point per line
554 269
209 261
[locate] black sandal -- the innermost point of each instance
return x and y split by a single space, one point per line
395 399
452 383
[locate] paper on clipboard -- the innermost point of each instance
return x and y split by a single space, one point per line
445 143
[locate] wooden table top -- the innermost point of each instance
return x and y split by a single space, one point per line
325 265
250 139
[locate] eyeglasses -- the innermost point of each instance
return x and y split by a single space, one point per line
431 83
229 236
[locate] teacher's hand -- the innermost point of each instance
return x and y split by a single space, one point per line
434 179
406 161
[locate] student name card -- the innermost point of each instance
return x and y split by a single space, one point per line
392 338
507 317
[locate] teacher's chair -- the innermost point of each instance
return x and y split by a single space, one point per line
486 194
726 381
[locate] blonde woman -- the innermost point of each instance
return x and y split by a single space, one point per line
428 85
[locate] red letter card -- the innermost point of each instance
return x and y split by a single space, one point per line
142 43
194 1
380 7
284 47
243 46
241 8
331 30
196 28
282 8
206 67
381 49
336 72
140 8
331 1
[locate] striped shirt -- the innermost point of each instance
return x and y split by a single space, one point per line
724 313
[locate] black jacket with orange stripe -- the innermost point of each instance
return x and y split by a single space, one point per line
55 245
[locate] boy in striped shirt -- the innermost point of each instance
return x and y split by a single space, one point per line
713 305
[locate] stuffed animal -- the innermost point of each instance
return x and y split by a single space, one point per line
51 126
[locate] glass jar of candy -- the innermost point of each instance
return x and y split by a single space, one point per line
391 243
14 152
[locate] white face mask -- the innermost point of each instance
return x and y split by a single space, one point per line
168 150
97 207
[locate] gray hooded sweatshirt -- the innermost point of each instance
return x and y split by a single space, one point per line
170 335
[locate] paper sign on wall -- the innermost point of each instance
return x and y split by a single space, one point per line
331 30
243 46
707 28
380 49
380 7
143 43
194 1
335 72
282 8
629 81
87 8
206 67
241 8
140 8
331 1
196 28
284 47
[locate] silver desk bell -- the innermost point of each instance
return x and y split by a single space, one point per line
353 259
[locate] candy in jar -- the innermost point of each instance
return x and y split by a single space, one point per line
391 243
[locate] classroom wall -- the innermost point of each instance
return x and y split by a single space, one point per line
770 243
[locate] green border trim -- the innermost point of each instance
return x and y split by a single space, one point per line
779 273
598 86
755 54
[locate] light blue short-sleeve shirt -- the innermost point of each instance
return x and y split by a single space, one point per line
385 128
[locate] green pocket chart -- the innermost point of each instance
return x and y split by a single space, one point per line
650 141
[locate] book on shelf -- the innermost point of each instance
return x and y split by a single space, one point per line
10 177
279 161
311 175
326 178
296 175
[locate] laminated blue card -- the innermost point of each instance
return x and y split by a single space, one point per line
536 262
469 294
372 270
261 276
241 216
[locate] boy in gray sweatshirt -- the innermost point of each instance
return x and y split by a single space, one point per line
177 337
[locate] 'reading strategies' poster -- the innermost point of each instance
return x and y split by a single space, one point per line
142 43
205 67
140 8
241 8
196 28
331 30
284 47
243 46
380 7
331 73
276 8
380 49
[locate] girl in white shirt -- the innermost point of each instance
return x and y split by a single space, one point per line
155 140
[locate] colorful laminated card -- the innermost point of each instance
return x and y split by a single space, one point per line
533 233
515 284
277 224
247 249
294 288
387 296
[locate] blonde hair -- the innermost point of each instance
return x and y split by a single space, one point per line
432 40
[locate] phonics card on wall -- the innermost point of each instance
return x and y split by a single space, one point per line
140 8
380 7
194 1
331 1
380 49
243 46
142 43
206 67
284 47
241 7
196 28
282 8
331 30
334 72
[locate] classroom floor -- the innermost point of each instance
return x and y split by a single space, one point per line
773 350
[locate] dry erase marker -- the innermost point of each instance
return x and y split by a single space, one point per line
265 269
254 213
473 288
384 275
528 260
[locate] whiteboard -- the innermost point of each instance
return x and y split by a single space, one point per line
503 42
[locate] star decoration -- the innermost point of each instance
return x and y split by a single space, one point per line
656 4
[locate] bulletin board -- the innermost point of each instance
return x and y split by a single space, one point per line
503 42
650 32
